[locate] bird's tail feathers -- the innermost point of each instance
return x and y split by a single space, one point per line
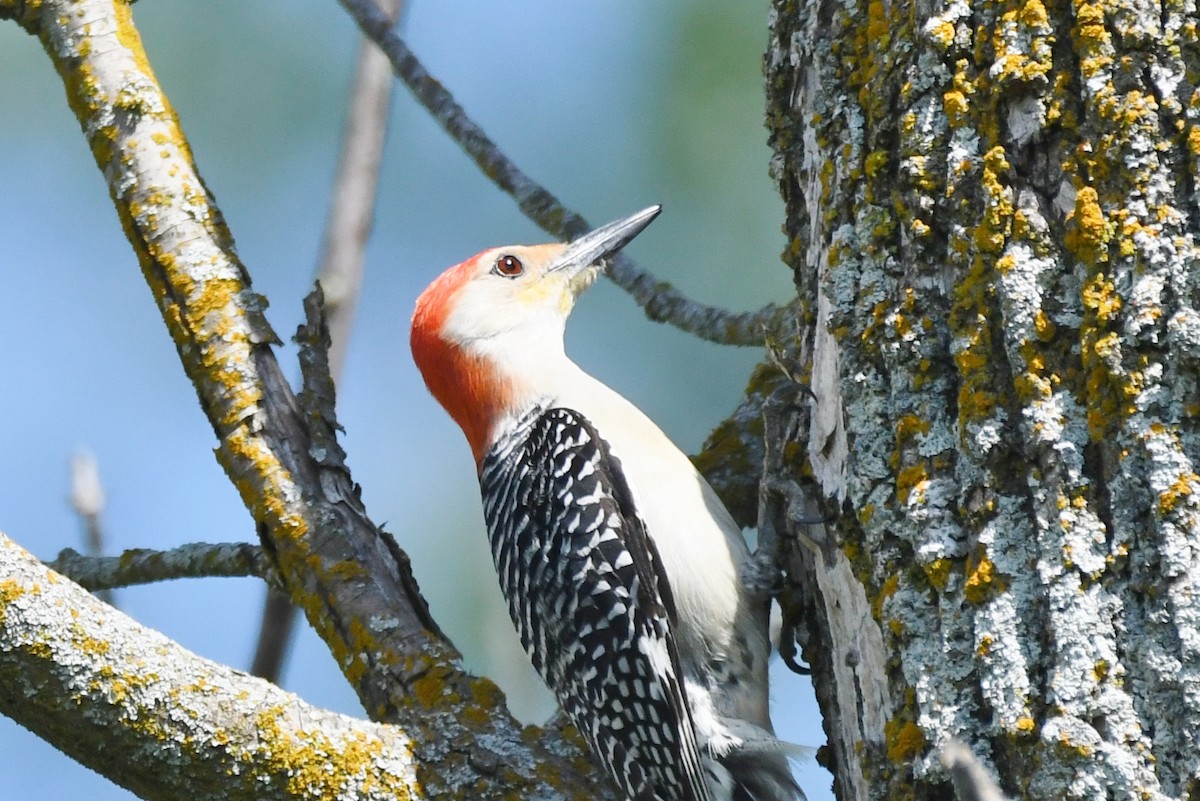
754 764
762 776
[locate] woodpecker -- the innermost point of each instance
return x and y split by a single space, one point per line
619 564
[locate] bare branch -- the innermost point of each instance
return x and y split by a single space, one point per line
147 565
352 208
660 301
351 214
87 498
87 495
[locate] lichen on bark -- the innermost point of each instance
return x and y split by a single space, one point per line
997 201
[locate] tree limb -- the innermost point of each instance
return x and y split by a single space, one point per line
355 585
153 717
340 271
660 301
306 508
147 565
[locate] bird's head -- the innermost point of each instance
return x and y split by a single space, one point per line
486 332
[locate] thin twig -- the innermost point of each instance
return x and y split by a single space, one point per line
661 301
88 500
340 271
146 565
352 206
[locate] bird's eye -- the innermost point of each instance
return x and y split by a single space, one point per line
508 266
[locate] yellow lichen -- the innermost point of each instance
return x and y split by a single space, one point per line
1074 749
1044 326
975 404
1033 14
878 31
431 689
1026 725
942 33
904 740
908 427
1182 489
993 228
982 580
486 694
316 765
1030 386
1089 235
887 590
876 161
10 591
910 480
956 106
1093 39
938 573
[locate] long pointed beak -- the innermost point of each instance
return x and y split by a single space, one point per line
602 242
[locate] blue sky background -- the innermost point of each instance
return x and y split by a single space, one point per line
612 105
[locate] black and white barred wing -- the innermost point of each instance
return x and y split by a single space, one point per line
586 590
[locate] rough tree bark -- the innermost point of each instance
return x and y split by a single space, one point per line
993 215
149 715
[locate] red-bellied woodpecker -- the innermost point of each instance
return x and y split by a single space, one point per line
620 566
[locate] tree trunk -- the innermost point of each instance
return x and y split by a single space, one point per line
992 217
